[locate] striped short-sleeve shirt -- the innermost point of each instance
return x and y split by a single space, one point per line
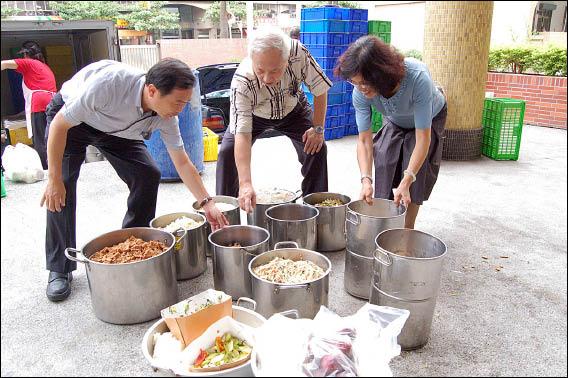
250 96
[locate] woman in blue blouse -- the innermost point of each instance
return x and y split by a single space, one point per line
408 149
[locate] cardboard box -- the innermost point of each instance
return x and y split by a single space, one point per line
204 309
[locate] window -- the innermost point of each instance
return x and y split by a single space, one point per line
543 17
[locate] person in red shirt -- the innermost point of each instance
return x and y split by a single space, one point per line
39 87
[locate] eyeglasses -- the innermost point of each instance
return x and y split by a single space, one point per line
364 86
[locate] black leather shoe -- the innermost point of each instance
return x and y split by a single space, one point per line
58 287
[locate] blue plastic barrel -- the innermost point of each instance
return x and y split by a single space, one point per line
191 132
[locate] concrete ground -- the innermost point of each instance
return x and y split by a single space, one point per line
487 322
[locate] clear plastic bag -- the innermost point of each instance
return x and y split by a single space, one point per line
22 163
329 345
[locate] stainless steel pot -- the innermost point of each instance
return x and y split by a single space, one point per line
364 222
406 274
240 314
293 222
307 297
358 274
190 255
258 215
330 221
230 264
133 292
233 216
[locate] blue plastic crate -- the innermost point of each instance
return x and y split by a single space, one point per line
324 26
331 76
332 122
327 134
326 51
352 37
309 97
358 27
346 97
352 130
326 63
351 108
335 39
325 13
337 132
335 98
338 87
334 110
351 119
358 14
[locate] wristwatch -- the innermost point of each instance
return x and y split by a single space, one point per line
408 172
204 202
318 129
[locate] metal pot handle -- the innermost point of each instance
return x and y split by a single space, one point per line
179 235
294 314
298 195
248 300
355 221
76 258
380 255
306 286
278 245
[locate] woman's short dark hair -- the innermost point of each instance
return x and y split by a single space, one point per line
169 74
32 50
379 64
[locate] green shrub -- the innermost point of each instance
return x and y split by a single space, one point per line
521 59
413 54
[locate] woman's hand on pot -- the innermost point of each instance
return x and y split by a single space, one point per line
402 194
214 216
367 192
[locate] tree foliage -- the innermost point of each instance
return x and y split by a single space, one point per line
237 8
549 60
150 15
86 10
342 4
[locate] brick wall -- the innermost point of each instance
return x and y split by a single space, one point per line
202 52
545 96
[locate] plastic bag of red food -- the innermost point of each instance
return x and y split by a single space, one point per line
329 345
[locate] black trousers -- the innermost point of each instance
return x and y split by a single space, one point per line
39 139
134 166
294 125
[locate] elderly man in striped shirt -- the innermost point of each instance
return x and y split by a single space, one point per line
266 94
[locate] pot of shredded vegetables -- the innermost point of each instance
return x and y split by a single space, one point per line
290 278
331 219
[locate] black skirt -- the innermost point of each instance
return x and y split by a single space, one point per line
392 148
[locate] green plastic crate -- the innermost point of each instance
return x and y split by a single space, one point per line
502 127
386 37
377 26
376 120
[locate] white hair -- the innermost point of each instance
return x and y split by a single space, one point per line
266 38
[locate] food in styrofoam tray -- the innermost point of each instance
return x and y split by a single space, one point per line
272 196
182 222
286 271
227 349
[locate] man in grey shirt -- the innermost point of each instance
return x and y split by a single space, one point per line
114 107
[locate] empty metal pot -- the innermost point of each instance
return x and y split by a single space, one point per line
258 215
190 255
230 264
293 222
134 292
364 222
358 274
330 221
306 297
406 274
233 217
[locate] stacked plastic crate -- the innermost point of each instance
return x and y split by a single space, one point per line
381 29
326 32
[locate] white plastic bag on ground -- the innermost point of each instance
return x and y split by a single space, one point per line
330 346
22 163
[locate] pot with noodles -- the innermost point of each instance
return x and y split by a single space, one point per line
290 279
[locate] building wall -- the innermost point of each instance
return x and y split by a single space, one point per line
545 96
512 23
202 52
